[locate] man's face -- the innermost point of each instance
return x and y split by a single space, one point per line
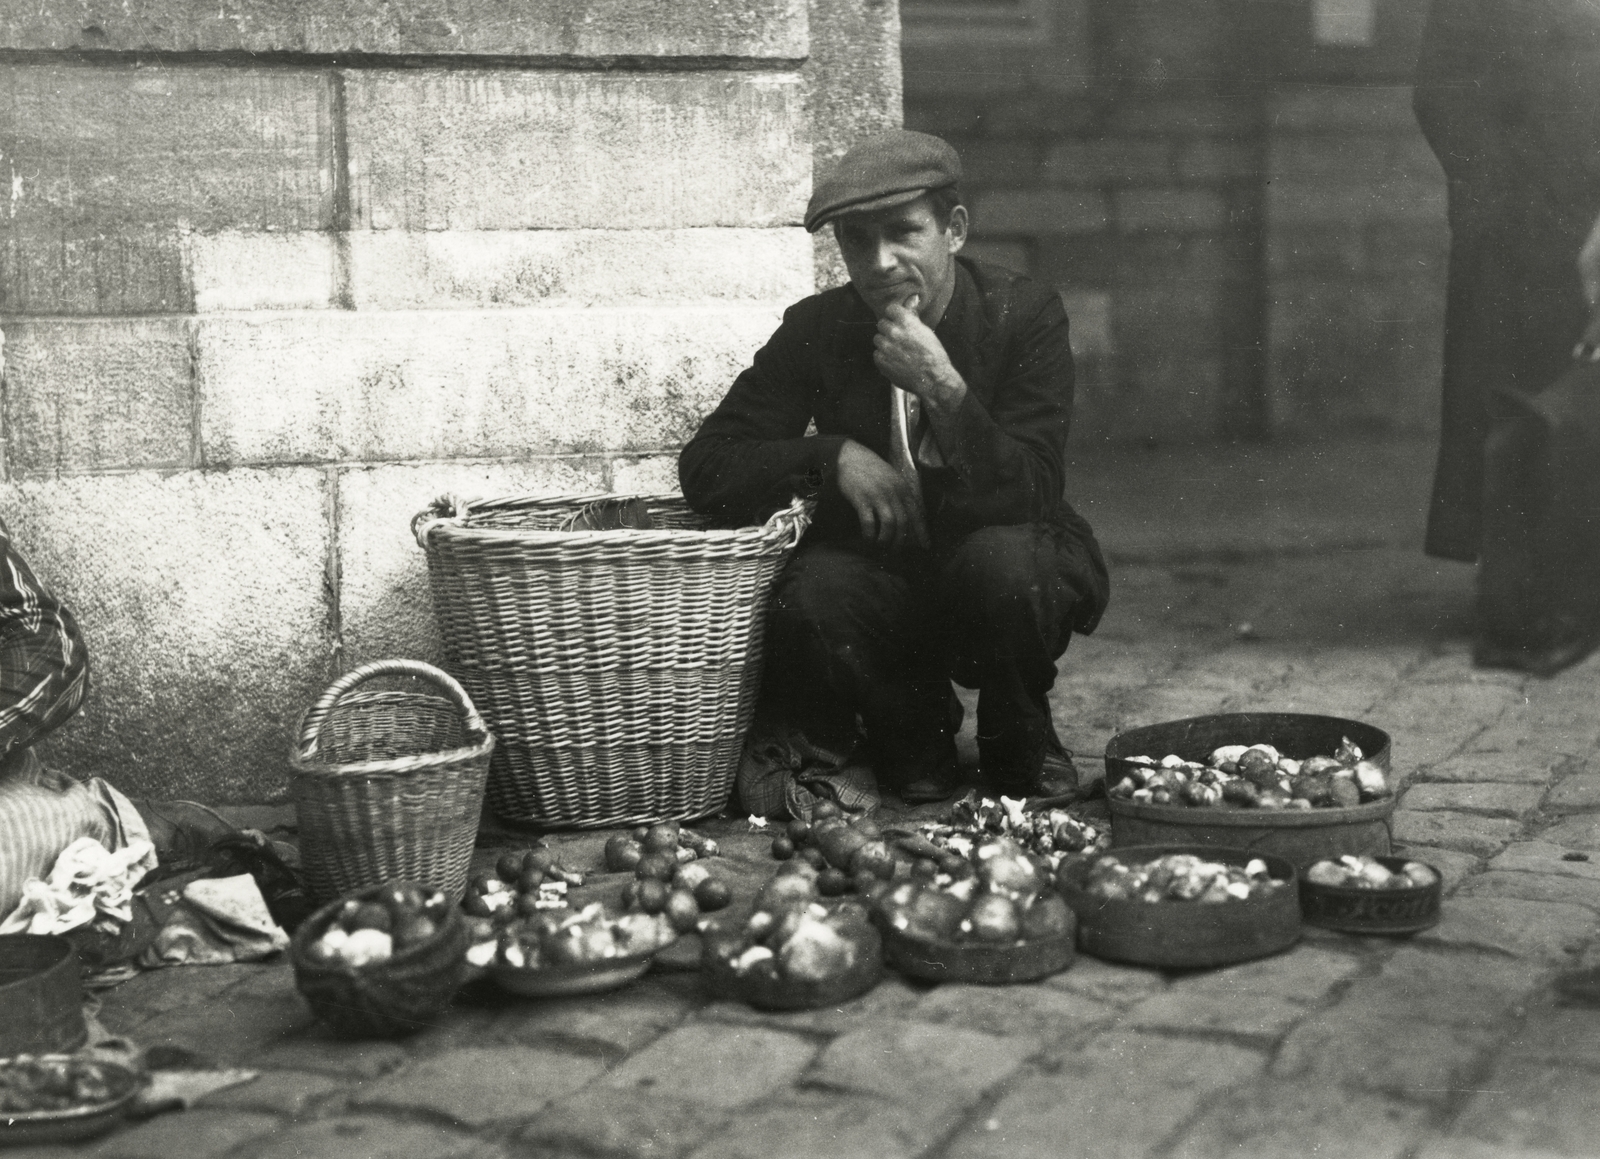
903 252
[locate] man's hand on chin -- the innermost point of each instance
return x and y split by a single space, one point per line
911 356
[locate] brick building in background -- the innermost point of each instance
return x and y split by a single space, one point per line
275 273
1232 196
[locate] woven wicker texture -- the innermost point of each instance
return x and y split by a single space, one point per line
388 782
399 996
618 668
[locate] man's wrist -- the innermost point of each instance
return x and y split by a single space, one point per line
945 394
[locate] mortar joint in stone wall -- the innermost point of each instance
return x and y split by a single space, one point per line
342 292
5 411
240 58
333 575
197 445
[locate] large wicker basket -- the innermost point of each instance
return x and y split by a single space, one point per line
388 783
618 668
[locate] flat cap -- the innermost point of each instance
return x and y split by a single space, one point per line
881 171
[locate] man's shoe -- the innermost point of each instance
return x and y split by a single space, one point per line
1580 985
933 775
1057 780
1058 776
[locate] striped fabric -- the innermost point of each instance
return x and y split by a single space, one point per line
44 673
41 813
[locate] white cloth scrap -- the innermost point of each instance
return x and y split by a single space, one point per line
88 881
43 811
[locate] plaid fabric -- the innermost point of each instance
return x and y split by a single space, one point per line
44 667
852 787
784 774
44 672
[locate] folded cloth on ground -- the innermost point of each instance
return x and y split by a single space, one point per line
210 921
87 882
42 812
190 836
782 773
174 1078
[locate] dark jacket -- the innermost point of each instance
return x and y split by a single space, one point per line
1007 337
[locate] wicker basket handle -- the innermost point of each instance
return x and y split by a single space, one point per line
797 514
311 726
447 508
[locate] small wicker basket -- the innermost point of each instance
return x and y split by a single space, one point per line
398 996
388 784
618 668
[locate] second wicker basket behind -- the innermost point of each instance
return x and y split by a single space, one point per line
618 669
388 782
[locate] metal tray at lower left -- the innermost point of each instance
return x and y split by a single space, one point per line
34 1128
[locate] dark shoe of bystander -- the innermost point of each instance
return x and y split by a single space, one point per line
1580 986
1057 778
1540 660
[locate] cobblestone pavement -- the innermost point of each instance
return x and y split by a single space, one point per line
1446 1044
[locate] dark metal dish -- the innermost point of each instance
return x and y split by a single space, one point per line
31 1128
41 997
1183 934
1364 910
1302 836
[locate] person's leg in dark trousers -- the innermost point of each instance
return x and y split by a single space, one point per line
850 633
1008 598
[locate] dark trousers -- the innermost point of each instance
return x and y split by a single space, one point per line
859 631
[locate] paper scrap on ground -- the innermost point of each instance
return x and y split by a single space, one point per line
219 919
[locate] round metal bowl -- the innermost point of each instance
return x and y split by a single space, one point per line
1181 934
985 963
1300 835
38 1128
1354 910
566 981
41 996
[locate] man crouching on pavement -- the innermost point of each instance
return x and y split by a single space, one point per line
941 392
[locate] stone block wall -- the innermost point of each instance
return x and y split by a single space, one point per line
1246 227
1130 180
274 273
1357 246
